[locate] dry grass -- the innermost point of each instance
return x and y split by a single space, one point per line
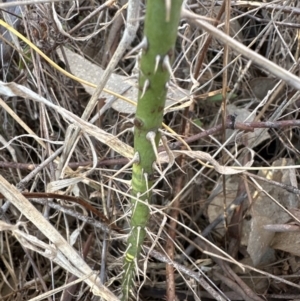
188 210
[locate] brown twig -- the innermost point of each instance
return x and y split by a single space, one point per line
230 124
235 287
195 275
179 182
23 183
69 198
236 221
69 293
96 11
87 219
204 49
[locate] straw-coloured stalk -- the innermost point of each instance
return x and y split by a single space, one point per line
162 18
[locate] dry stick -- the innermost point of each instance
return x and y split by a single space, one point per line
68 294
230 124
36 270
280 109
62 253
112 38
274 96
226 268
236 221
92 14
169 246
178 185
77 200
271 67
87 219
23 166
155 254
234 286
69 198
128 36
277 23
185 270
105 239
23 183
224 102
43 123
263 34
209 248
179 181
281 296
260 5
35 169
220 218
202 55
246 289
242 289
288 188
283 105
27 2
204 49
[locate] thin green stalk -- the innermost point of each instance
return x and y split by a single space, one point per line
161 22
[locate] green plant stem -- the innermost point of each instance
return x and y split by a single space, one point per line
160 33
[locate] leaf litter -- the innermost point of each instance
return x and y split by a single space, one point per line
261 243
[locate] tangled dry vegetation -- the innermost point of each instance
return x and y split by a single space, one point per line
215 233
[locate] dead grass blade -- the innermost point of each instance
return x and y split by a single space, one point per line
66 255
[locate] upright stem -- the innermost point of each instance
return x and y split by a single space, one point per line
162 18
